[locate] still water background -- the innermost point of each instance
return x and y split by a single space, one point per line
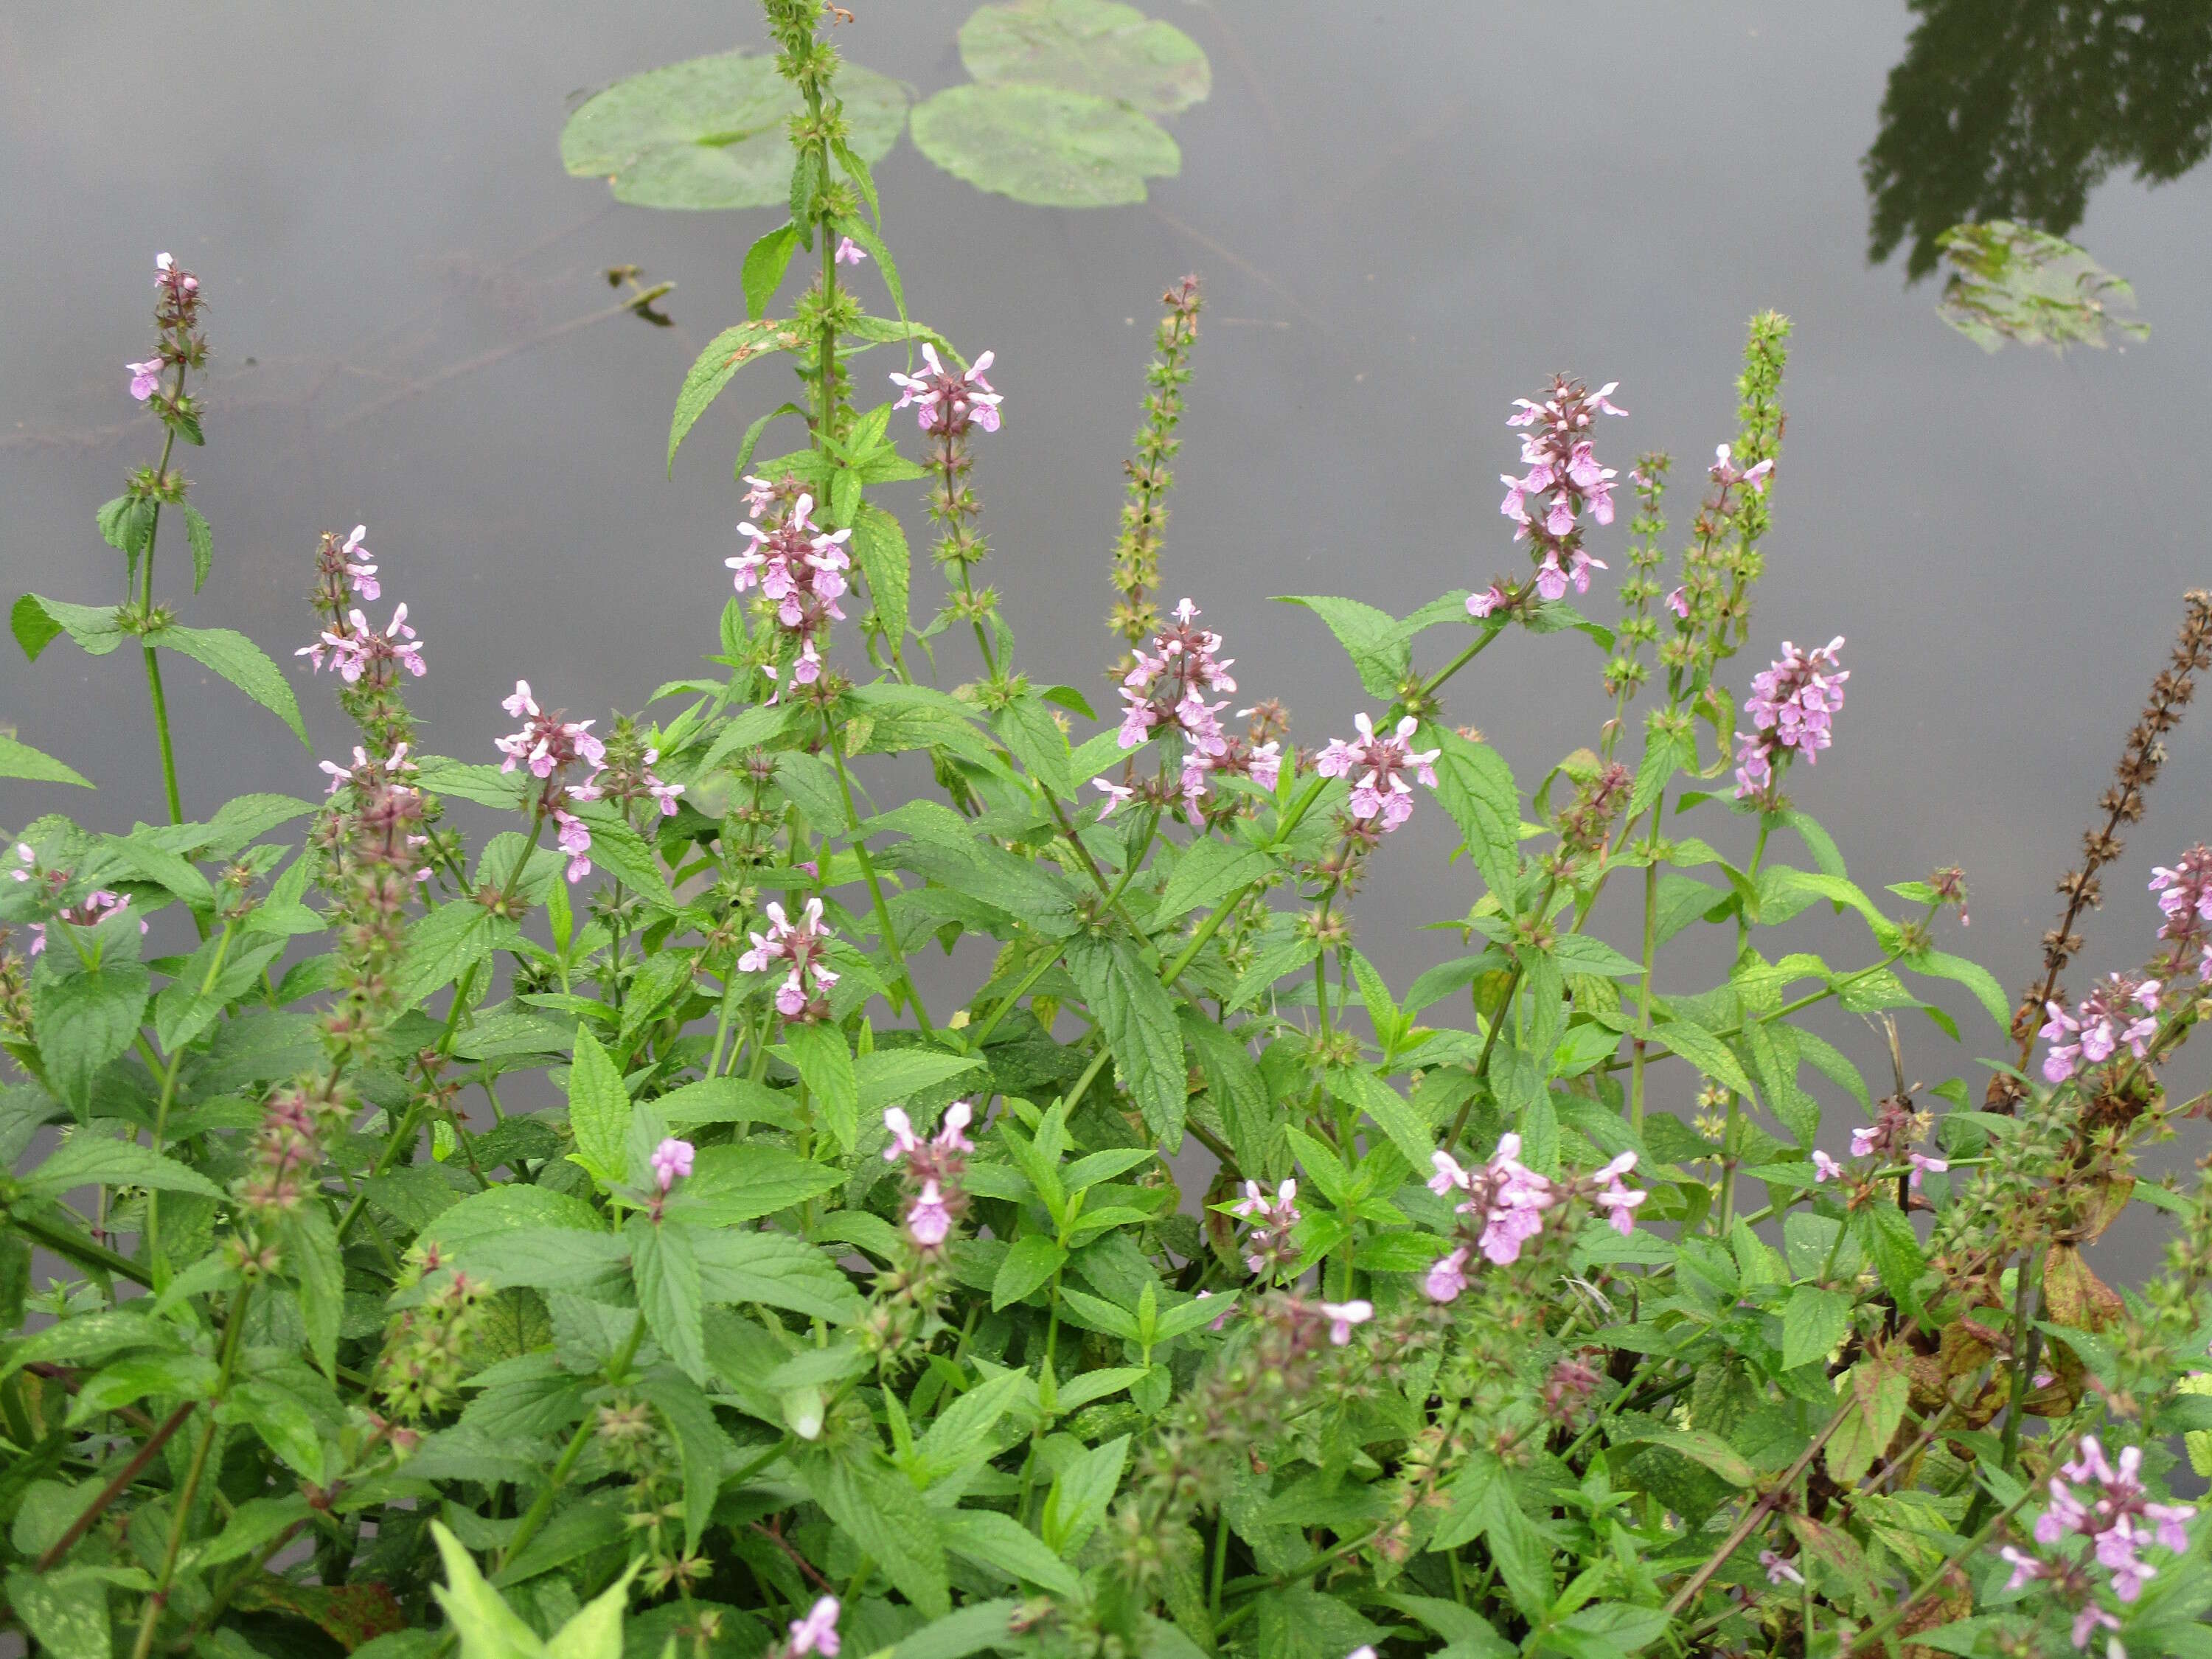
1405 218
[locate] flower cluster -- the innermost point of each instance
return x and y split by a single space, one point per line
932 1168
368 771
801 567
549 746
1377 767
2120 1013
1268 1248
803 996
90 911
625 775
1562 466
2113 1509
949 403
1728 474
1887 1139
1792 705
671 1162
358 651
1167 686
427 1348
2185 893
1504 1202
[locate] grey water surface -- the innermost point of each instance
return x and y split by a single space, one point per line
1405 216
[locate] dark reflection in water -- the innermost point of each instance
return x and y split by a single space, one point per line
2017 109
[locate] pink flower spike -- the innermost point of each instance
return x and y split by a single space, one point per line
1343 1315
671 1162
817 1631
849 253
146 377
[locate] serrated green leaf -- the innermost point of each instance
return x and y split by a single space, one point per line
243 664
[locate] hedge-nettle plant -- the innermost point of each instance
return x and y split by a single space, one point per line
605 1235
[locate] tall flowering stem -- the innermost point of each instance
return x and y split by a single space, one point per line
2141 758
182 348
948 406
1144 512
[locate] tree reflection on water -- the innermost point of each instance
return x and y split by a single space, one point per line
2014 109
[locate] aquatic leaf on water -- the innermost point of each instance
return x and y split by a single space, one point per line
1098 47
1044 145
2010 282
709 132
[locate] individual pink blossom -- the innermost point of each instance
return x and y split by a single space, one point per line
573 838
1825 1168
849 253
362 650
1342 1316
817 1631
1923 1165
362 575
1862 1140
1116 795
805 994
1726 472
1780 1569
928 1220
1792 707
949 401
1679 603
671 1162
146 377
1377 767
2026 1568
761 494
1447 1276
1615 1198
2092 1618
1482 604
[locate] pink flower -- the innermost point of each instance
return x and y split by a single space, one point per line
1447 1276
1166 686
362 576
1377 767
362 650
166 275
847 253
90 911
146 377
1679 603
2089 1622
1725 470
817 1631
1482 603
2025 1569
1825 1168
364 773
547 744
928 1222
1923 1165
948 400
938 1157
1116 794
805 994
1779 1569
2120 1013
1615 1198
1343 1315
575 840
1269 1244
1792 705
671 1162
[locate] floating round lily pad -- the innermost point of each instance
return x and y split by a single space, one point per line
710 132
1045 146
1098 47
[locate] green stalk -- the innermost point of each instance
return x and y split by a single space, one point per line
169 1094
234 1337
146 607
875 887
534 1517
